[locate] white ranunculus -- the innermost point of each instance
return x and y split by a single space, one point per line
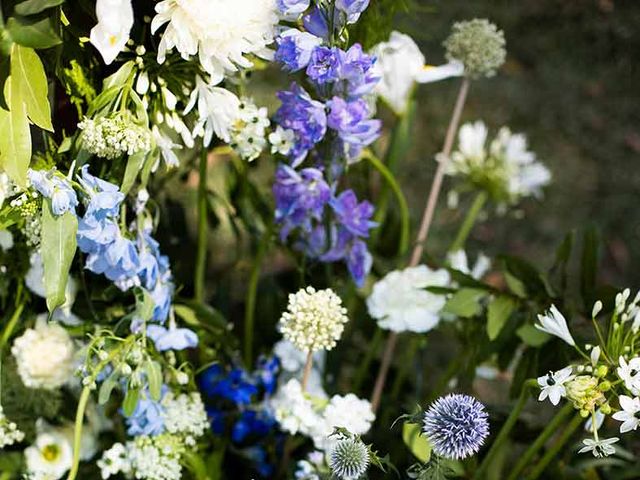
399 302
44 356
110 35
221 32
401 65
51 454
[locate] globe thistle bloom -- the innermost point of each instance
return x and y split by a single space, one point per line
456 426
314 320
479 45
349 459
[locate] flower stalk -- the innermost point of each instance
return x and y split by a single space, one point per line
201 254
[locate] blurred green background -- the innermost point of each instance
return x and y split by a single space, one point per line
572 84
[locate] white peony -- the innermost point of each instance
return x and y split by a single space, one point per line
110 35
223 33
44 355
349 412
401 65
399 302
294 409
51 454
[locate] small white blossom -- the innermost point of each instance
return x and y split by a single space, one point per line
185 415
6 187
552 385
630 413
554 323
44 356
110 35
111 138
400 301
595 355
9 432
630 374
114 461
599 448
458 261
314 320
348 412
294 410
281 140
156 458
249 130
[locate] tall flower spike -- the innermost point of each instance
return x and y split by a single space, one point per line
314 320
349 459
456 426
479 45
554 323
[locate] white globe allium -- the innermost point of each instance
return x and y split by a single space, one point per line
400 301
349 459
314 320
44 355
223 33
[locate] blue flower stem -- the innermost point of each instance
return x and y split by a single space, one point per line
551 428
503 435
201 254
553 451
469 221
250 304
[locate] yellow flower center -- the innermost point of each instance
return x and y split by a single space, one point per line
50 452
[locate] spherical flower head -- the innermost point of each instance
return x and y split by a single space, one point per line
314 320
44 355
456 426
349 459
479 45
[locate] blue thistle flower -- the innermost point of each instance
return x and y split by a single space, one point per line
456 426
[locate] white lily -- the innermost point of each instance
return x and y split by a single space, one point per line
111 34
554 323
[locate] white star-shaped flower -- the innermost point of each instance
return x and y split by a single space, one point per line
552 385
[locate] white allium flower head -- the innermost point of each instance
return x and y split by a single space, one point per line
314 320
223 33
110 35
399 302
51 454
552 385
44 356
400 65
554 323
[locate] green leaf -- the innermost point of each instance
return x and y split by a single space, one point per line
515 285
15 140
29 76
30 7
154 376
465 302
120 78
58 249
33 34
499 311
532 336
107 387
418 444
130 401
144 305
134 165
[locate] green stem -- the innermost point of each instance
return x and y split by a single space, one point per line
406 365
469 221
539 442
11 325
503 435
201 255
553 451
77 436
372 350
250 308
403 243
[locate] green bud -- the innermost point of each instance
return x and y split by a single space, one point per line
605 386
602 371
605 408
585 413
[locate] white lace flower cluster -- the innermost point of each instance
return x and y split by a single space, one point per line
44 356
609 377
111 138
400 301
185 415
222 33
146 458
507 170
9 432
248 133
298 412
314 320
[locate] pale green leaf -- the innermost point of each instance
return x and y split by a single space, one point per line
58 249
465 302
417 444
154 376
532 336
499 311
130 401
107 387
30 7
33 34
15 140
144 305
515 285
29 77
134 165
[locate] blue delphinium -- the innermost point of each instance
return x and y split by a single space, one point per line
172 338
330 127
147 418
292 7
55 187
456 426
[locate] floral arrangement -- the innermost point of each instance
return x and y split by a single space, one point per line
209 270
